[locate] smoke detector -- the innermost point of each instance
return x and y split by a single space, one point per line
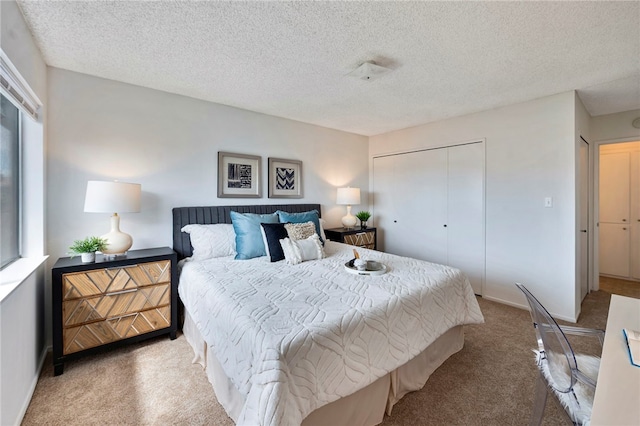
636 123
369 71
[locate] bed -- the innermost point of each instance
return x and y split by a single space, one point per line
311 343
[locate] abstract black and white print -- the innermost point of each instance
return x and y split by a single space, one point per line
239 176
285 178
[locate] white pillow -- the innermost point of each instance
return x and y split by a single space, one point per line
297 251
209 241
322 225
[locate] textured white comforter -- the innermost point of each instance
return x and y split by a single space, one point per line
293 338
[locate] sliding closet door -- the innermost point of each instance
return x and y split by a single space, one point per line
385 202
422 179
466 211
430 205
410 204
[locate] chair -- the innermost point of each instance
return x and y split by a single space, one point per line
571 377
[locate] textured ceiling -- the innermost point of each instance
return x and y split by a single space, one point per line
290 59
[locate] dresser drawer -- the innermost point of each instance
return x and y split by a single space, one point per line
361 239
111 280
90 309
86 336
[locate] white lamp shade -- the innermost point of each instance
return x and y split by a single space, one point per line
348 196
112 197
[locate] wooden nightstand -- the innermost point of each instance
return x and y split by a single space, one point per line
110 303
356 236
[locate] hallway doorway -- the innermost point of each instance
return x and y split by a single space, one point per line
618 247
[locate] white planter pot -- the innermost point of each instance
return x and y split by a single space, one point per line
88 257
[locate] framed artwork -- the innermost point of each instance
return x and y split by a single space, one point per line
238 175
285 178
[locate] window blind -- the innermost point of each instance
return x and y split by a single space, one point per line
13 86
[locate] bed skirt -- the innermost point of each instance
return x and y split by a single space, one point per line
365 407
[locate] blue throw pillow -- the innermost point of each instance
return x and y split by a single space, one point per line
249 243
272 233
311 215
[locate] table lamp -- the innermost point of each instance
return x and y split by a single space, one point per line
348 196
113 197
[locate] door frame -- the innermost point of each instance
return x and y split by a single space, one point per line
594 224
588 226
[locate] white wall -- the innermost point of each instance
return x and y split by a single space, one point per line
19 46
103 129
615 126
22 313
23 346
530 155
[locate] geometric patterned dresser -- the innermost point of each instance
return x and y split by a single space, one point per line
109 303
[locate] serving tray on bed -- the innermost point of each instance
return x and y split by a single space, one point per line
373 268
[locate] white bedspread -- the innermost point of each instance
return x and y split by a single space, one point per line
293 338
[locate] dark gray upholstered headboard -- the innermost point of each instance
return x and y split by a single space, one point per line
220 214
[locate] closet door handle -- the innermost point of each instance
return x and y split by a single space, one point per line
583 230
624 220
445 225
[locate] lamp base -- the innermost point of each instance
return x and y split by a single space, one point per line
117 242
349 221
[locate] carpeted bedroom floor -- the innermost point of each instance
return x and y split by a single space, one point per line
490 382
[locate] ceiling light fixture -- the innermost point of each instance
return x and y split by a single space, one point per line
369 71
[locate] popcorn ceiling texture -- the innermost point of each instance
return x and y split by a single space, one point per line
290 59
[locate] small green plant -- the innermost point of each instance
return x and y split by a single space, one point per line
88 245
363 215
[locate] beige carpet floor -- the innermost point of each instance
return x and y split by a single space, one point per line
490 382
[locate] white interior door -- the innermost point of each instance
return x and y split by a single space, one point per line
465 223
384 202
423 178
583 225
614 188
634 244
410 204
429 205
614 249
635 215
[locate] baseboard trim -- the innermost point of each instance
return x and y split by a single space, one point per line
526 308
34 383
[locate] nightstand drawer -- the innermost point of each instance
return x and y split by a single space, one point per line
356 237
90 309
98 333
361 239
111 280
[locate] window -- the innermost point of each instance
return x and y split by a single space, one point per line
9 182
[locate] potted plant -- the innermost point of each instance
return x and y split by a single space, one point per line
87 248
364 217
